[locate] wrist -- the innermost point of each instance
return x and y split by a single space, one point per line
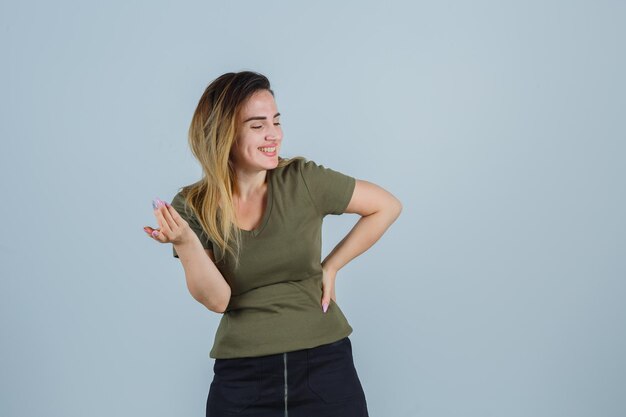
329 267
187 238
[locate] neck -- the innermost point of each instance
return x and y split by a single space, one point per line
249 184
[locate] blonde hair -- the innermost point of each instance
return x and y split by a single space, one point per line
212 133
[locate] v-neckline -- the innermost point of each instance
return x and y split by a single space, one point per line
266 213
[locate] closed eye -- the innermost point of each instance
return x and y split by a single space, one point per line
258 127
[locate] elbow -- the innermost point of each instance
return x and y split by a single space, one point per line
399 206
216 306
221 305
396 207
389 209
219 308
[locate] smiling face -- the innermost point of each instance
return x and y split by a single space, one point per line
259 135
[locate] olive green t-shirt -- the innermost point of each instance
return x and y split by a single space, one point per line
276 290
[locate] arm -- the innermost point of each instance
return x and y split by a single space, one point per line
378 209
204 281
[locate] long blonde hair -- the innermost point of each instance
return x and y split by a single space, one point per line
212 133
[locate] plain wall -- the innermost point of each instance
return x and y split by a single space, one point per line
499 125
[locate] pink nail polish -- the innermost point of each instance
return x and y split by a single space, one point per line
155 233
325 307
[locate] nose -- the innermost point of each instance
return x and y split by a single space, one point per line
274 134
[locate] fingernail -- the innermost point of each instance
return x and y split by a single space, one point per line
155 233
160 202
154 205
325 307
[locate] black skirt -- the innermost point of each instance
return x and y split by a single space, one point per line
316 382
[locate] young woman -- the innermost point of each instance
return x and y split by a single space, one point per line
248 235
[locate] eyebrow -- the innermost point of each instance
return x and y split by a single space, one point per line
260 118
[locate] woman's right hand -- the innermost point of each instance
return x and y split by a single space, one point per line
172 228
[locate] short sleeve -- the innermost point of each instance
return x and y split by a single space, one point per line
178 202
330 190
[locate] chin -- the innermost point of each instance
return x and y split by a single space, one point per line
269 161
273 164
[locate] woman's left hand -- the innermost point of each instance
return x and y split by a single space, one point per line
328 287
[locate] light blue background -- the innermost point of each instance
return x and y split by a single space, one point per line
499 125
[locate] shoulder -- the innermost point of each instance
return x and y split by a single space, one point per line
297 166
298 170
178 198
311 172
178 201
287 164
180 205
329 190
289 169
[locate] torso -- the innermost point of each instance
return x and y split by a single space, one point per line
250 213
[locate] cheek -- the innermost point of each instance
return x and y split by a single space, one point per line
250 148
240 150
246 143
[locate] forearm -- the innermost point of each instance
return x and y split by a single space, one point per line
204 281
361 237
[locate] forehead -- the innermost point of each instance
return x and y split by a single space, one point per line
261 103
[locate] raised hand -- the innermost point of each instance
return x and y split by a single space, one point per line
172 228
